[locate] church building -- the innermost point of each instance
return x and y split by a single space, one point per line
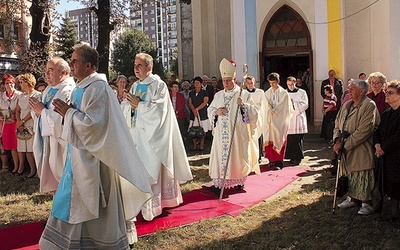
295 38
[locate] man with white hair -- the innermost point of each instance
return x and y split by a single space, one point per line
103 183
48 148
207 87
234 116
157 138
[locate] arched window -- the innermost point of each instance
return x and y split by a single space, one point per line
286 29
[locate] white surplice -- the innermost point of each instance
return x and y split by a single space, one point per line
242 157
298 123
260 101
48 147
277 118
109 182
156 134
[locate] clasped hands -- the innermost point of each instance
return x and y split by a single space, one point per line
36 105
133 100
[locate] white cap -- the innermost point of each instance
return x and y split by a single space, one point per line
227 68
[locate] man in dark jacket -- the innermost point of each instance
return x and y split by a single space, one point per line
337 86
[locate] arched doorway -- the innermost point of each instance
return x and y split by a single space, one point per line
287 50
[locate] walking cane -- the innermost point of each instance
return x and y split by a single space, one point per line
342 136
245 70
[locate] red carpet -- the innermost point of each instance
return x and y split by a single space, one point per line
260 187
198 205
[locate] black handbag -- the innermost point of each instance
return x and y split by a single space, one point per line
343 186
196 131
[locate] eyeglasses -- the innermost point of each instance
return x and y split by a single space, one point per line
375 83
390 92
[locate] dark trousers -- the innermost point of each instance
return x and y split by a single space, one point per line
294 148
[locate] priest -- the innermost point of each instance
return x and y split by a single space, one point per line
48 146
103 183
157 137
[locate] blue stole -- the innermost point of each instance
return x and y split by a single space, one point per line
47 100
62 199
140 91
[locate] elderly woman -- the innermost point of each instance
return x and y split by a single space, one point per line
376 81
8 103
358 118
386 139
25 122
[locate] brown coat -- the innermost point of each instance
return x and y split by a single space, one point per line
361 124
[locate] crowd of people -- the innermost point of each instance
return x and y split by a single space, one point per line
359 119
107 151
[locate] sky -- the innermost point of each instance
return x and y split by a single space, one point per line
66 5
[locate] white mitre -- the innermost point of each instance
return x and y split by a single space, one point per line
227 68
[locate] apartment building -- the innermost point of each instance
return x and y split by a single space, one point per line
158 20
85 22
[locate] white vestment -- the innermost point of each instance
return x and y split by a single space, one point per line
156 134
298 123
277 118
48 147
259 100
109 183
242 159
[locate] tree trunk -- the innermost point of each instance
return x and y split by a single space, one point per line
104 30
40 33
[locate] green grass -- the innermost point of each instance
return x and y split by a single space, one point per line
301 219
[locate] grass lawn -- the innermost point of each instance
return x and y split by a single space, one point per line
300 219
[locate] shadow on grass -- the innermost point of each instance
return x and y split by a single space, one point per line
14 184
41 198
314 226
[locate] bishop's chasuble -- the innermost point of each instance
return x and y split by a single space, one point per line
242 156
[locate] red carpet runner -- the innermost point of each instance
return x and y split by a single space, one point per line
198 205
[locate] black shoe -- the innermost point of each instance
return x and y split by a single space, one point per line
278 165
212 189
295 162
389 218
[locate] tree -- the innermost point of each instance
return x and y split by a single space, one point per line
108 14
66 39
130 43
34 59
103 12
174 66
10 14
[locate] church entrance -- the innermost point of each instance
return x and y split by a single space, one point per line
287 51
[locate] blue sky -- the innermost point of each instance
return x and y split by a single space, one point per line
66 5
